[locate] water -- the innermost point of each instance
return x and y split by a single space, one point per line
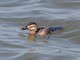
61 46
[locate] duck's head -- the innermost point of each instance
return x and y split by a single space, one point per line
32 26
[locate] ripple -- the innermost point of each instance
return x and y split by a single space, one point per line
13 42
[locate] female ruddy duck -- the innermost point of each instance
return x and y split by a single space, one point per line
34 30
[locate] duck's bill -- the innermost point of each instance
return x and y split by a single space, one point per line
24 28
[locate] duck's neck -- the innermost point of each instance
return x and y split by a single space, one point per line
32 32
37 31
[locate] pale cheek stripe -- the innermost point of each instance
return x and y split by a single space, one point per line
31 26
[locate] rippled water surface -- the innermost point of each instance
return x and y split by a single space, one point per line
60 46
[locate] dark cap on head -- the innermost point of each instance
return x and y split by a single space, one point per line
30 23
